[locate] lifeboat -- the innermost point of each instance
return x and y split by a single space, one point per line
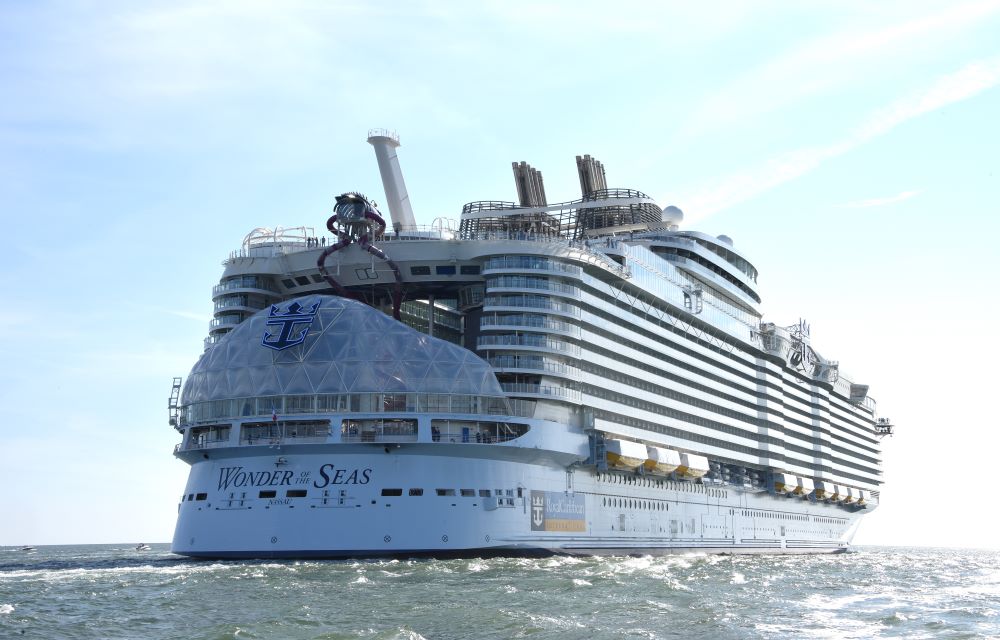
850 495
805 487
660 460
625 454
693 466
862 494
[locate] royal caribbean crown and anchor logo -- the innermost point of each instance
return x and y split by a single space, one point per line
290 327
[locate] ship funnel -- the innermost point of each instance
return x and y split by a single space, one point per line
592 177
530 186
398 201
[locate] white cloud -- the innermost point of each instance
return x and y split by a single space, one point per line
824 64
878 202
189 315
965 83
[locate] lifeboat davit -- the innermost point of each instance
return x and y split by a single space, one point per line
785 483
824 490
805 487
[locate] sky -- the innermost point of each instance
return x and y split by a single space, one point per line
850 149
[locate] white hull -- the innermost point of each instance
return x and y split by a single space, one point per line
345 514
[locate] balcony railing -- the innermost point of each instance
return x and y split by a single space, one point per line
535 390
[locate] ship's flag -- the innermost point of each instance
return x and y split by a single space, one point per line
274 414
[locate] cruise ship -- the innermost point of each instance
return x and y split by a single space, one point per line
584 377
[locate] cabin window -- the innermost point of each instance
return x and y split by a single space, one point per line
392 492
416 492
201 496
267 494
295 493
445 492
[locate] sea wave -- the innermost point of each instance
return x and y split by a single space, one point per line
873 593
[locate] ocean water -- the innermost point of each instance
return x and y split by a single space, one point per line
114 591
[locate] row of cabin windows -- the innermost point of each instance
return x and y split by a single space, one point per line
291 493
441 270
778 516
351 402
301 493
619 478
465 493
445 270
625 503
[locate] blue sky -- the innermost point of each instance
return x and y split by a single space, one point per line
850 149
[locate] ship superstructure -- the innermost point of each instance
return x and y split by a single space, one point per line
578 377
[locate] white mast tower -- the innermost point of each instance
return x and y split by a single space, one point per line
398 201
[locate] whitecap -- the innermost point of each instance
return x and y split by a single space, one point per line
738 578
897 617
407 634
6 608
581 583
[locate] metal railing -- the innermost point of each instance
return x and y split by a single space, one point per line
530 262
534 363
558 393
528 320
528 340
531 282
530 302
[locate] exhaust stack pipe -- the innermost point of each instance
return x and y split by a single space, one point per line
385 143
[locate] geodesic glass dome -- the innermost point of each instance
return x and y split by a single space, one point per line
327 345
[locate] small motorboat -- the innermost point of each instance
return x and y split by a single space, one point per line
28 548
142 546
